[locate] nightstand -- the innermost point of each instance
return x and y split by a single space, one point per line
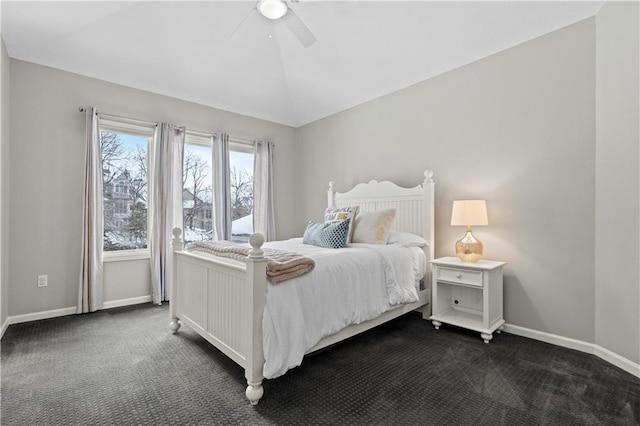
468 295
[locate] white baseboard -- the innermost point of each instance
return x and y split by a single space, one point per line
16 319
5 324
126 302
617 360
35 316
566 342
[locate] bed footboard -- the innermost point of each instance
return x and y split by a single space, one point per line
223 303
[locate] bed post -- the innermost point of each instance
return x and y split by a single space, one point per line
176 242
429 211
257 282
331 200
428 227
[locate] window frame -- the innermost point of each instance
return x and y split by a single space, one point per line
134 128
236 144
244 146
201 139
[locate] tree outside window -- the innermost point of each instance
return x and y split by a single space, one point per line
241 182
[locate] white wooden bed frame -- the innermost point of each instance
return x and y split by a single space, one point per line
224 303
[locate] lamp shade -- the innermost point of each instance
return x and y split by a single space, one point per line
469 213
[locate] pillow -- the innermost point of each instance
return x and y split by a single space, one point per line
373 227
406 239
328 234
343 213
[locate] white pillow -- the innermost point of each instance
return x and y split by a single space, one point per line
373 227
406 239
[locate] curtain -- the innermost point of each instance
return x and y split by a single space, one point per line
166 203
221 187
263 214
91 273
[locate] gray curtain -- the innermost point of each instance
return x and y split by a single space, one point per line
166 186
221 187
263 214
91 274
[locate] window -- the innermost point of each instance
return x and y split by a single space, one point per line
197 192
121 188
241 170
125 164
197 195
120 208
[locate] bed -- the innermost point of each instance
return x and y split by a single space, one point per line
230 303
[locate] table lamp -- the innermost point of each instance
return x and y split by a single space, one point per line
469 213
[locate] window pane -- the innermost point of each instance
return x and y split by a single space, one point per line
241 167
197 195
124 173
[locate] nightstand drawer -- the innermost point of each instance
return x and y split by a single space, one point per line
460 276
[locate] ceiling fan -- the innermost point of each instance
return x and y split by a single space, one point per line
280 10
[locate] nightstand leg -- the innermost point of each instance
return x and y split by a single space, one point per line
499 330
436 324
486 336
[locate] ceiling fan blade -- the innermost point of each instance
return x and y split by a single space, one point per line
235 30
299 29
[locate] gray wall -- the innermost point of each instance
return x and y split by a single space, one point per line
617 180
4 182
516 129
47 155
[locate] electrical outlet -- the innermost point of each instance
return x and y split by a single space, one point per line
42 280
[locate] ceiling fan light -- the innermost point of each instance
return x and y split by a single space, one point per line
272 9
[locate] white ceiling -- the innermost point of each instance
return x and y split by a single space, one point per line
365 49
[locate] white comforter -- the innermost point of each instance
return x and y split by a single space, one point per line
337 293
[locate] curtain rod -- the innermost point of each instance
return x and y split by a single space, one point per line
150 123
127 119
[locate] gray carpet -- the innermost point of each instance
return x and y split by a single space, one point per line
123 367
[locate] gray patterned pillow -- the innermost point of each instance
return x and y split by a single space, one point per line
328 234
342 213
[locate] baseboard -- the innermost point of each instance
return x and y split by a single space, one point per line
617 360
5 324
554 339
35 316
126 302
16 319
566 342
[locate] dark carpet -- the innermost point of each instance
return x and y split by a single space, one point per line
124 367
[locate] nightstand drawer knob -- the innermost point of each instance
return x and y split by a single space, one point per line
458 275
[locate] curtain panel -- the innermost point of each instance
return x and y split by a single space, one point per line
90 293
166 205
221 187
263 212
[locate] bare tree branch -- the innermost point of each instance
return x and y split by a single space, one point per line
241 193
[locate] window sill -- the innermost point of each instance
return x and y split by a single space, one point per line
125 255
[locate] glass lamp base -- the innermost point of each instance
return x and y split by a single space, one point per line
469 248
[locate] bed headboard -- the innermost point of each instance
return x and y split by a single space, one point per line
414 206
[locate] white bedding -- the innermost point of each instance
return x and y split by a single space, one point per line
301 311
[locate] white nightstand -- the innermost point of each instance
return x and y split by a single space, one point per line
468 295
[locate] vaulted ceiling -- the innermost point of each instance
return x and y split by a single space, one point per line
364 49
